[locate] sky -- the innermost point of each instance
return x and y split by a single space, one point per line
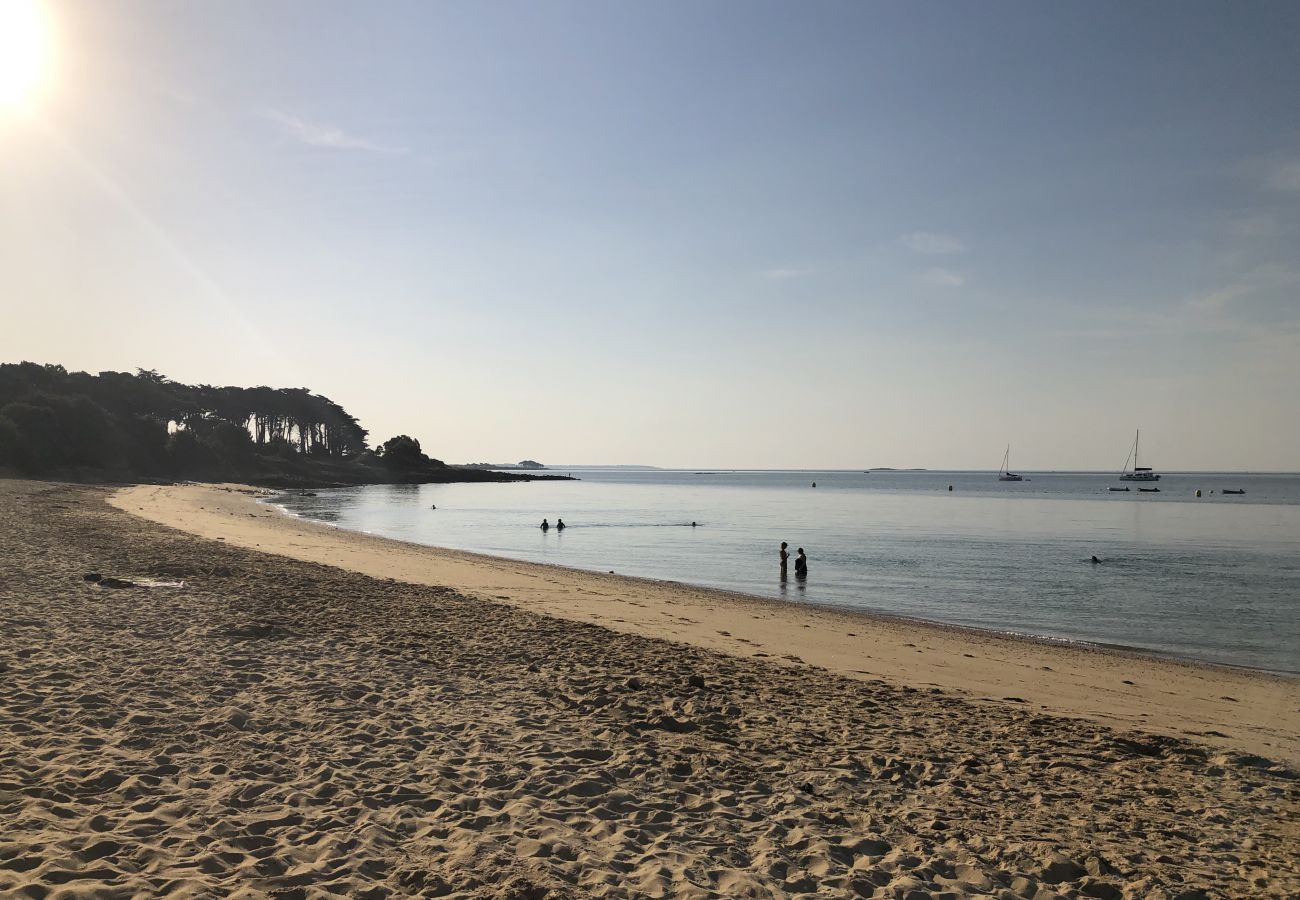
724 234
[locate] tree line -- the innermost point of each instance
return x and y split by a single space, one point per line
53 420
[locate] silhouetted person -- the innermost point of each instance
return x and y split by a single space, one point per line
695 524
559 524
1095 560
814 484
785 557
800 565
546 526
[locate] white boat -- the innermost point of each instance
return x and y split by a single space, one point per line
1003 473
1138 472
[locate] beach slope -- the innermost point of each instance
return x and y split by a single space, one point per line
1231 708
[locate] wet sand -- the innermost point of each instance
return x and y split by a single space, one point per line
372 719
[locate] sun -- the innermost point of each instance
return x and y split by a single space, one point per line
25 51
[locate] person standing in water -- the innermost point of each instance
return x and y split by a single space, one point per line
785 557
546 526
559 524
800 565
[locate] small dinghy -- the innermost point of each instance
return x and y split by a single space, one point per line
1226 491
1149 490
1122 490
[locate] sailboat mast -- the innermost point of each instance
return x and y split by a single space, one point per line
1137 438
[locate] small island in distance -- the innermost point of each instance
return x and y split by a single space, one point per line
530 464
118 426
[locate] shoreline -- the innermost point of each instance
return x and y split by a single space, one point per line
228 720
1225 706
1122 650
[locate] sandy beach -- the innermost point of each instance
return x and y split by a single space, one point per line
295 711
1224 707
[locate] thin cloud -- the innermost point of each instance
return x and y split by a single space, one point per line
1258 225
938 277
1279 172
932 243
780 274
317 135
1272 277
1217 301
1284 175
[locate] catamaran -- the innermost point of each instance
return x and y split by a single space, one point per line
1138 472
1003 473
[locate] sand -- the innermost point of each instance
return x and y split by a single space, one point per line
347 724
1224 707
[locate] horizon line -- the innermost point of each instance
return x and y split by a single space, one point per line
887 469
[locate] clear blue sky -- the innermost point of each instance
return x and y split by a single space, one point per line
722 234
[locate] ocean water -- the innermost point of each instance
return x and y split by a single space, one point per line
1215 579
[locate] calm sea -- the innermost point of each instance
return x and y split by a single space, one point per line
1214 579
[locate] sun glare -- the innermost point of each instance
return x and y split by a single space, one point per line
25 50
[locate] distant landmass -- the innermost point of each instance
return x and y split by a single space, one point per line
522 464
888 469
143 426
587 466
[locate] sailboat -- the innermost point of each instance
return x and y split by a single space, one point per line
1003 473
1138 472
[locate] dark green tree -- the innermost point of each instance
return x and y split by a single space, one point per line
403 453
